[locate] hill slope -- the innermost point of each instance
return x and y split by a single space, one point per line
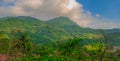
57 29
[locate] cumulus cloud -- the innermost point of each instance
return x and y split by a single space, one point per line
48 9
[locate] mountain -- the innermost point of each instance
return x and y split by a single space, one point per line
113 36
40 31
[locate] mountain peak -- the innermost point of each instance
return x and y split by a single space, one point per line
61 21
60 18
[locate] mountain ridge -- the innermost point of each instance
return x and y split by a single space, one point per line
57 29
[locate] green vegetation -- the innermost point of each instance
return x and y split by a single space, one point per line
60 39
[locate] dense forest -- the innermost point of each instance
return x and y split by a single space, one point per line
26 38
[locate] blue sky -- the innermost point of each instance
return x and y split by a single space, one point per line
108 9
6 4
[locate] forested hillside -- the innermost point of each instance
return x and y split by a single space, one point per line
56 29
60 39
61 28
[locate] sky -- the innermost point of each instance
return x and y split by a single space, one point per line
96 14
106 8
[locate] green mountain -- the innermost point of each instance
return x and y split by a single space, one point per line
57 29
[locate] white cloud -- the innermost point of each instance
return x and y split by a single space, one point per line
97 15
48 9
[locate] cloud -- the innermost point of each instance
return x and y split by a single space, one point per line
104 24
48 9
97 15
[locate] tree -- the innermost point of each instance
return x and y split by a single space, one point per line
20 44
4 43
105 40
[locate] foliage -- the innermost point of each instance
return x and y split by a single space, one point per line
29 39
